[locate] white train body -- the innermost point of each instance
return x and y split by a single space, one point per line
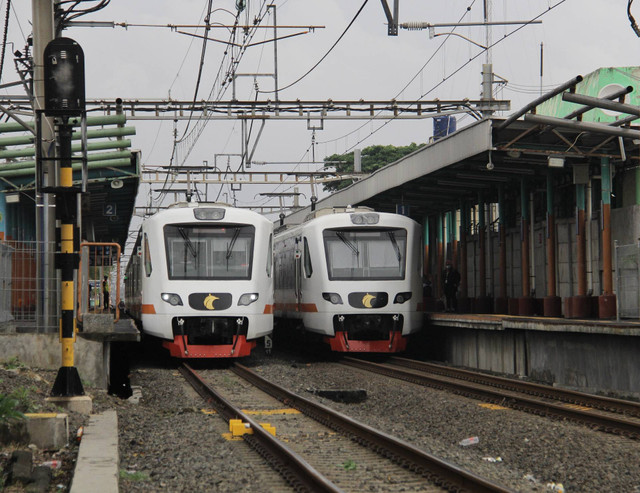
353 276
201 279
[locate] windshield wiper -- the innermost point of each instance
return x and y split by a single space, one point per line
187 242
392 237
236 233
353 248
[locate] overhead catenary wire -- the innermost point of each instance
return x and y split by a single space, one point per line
325 55
462 66
4 37
429 60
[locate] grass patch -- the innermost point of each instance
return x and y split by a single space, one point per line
13 363
9 409
349 465
133 475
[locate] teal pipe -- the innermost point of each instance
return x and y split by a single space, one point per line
91 146
91 134
92 121
109 163
101 156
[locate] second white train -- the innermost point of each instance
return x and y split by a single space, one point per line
353 276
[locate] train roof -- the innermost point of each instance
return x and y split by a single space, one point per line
326 215
336 210
178 209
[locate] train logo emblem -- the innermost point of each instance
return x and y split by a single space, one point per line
367 299
208 302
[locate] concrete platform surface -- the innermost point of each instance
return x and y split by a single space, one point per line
97 465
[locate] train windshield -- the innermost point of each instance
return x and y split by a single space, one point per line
209 252
365 253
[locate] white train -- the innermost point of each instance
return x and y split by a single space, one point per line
352 276
201 279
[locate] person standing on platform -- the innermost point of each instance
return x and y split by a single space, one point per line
105 293
450 283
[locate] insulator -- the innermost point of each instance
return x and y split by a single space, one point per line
414 26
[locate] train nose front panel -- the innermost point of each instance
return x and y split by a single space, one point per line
210 301
368 300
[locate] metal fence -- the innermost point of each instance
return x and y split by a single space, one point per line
99 279
628 280
26 302
23 293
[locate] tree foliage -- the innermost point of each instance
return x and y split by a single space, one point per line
373 158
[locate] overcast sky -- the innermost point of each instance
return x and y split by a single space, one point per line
579 36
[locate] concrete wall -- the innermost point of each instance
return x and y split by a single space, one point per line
588 362
44 351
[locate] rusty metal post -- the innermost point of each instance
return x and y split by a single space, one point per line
440 256
525 303
463 302
552 303
607 301
501 303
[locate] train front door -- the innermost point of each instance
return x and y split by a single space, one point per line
298 276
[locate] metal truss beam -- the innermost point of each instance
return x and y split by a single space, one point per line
263 209
156 109
178 177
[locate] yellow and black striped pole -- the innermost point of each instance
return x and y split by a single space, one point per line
64 98
68 381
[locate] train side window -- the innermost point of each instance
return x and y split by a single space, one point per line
147 256
270 256
308 268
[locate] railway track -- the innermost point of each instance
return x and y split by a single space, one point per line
381 459
602 413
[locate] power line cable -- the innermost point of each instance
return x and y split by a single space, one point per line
440 46
506 36
634 26
4 36
325 55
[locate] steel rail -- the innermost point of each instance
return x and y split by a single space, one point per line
446 475
299 473
565 395
608 423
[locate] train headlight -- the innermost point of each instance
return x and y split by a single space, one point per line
366 218
172 298
334 298
209 213
402 297
247 299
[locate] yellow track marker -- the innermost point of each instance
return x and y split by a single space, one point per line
493 407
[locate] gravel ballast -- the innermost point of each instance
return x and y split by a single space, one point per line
170 441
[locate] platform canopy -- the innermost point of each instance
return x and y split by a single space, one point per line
496 152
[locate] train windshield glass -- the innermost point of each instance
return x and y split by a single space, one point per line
209 252
365 253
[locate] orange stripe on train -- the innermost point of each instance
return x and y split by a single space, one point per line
148 309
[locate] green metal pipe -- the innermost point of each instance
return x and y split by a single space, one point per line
91 146
91 134
101 156
110 163
92 121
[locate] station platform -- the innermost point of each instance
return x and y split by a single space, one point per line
590 355
93 345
